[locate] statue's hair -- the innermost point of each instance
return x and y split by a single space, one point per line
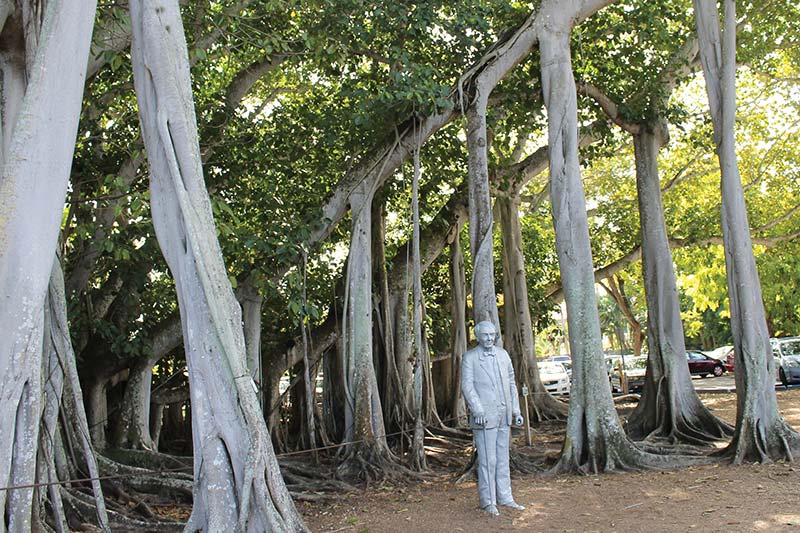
481 326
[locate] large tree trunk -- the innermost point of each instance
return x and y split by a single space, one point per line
64 402
761 433
367 452
595 440
43 61
481 226
519 327
458 331
237 482
403 408
669 409
394 397
132 430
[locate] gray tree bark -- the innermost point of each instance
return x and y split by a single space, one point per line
481 224
64 400
516 312
761 433
251 302
133 423
237 481
670 408
458 334
420 361
595 440
367 452
43 63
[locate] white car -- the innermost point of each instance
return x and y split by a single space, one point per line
554 376
787 358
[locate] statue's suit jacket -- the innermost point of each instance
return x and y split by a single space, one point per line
481 390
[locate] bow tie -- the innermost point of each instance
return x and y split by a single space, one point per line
489 353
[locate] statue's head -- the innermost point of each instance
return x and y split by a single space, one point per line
486 333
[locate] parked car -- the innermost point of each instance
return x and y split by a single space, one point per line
724 354
613 362
554 376
787 358
702 365
634 371
730 360
719 353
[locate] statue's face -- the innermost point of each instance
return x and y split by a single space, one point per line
486 338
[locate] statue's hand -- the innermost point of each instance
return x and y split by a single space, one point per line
480 419
518 420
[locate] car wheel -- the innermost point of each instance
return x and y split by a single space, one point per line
782 375
718 371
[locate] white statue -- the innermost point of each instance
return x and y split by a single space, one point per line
487 382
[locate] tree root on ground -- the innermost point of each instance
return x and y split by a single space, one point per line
520 463
168 484
368 463
547 408
614 452
626 397
762 440
148 459
453 433
80 506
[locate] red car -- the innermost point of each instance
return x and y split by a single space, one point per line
702 365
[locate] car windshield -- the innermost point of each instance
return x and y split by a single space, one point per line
790 348
551 368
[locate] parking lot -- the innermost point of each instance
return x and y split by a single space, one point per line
725 383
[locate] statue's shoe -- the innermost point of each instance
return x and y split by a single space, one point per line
491 510
514 505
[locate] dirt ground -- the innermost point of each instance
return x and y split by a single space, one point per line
698 499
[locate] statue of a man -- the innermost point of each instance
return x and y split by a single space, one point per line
487 382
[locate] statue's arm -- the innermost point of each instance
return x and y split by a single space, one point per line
468 385
512 386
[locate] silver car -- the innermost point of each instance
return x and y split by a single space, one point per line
787 358
554 376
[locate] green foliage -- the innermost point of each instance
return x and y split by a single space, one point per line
348 76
